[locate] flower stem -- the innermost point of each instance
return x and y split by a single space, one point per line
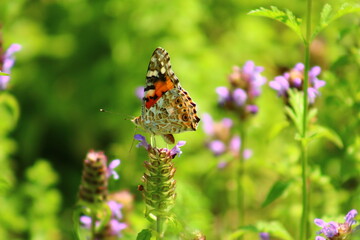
159 227
240 178
93 225
304 155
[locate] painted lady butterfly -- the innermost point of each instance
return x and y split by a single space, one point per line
167 108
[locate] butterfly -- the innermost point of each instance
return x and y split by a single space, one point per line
166 107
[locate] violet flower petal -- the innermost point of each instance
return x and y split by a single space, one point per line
252 108
314 71
110 171
217 147
224 94
176 149
143 142
264 236
116 226
208 124
115 208
319 222
235 144
139 92
239 96
349 218
300 67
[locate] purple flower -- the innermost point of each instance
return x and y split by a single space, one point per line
176 149
280 84
333 230
115 208
227 123
222 164
143 142
252 109
294 79
208 124
224 94
7 64
239 96
217 147
349 218
139 92
235 144
110 170
86 221
172 152
247 153
264 236
116 227
246 83
220 140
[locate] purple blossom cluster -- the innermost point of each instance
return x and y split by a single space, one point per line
264 236
7 61
171 152
336 231
115 226
220 140
294 79
245 87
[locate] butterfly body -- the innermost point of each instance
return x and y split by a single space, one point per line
167 108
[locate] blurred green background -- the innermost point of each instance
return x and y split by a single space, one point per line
79 56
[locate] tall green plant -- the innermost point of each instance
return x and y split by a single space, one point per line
301 118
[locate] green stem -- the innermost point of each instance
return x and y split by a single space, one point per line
159 227
93 225
304 155
240 178
304 217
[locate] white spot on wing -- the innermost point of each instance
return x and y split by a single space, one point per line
152 73
162 70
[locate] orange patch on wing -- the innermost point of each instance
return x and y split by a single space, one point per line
160 88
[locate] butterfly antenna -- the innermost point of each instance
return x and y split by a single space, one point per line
106 111
128 117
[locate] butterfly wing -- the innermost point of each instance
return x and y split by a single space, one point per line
167 107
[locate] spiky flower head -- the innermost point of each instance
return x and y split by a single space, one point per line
294 79
94 182
334 230
159 185
93 196
245 87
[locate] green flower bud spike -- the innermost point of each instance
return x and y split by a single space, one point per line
159 186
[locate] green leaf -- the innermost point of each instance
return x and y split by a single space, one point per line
327 16
276 191
145 234
4 74
287 18
318 131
